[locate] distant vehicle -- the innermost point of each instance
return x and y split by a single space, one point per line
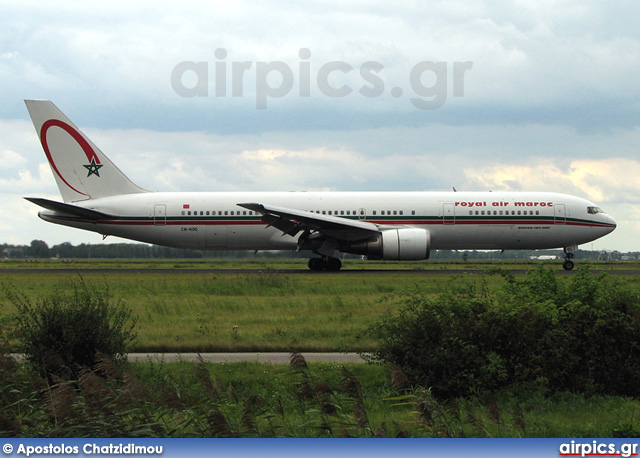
400 226
544 257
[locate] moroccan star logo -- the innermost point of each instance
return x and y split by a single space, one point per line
93 168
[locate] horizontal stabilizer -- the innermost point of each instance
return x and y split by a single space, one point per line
69 209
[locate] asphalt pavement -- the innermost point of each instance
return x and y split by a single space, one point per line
266 357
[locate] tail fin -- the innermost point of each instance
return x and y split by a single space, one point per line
81 170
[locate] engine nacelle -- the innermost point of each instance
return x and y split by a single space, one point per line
407 244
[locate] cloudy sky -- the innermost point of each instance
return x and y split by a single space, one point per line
251 95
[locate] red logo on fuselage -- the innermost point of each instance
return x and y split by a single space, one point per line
92 157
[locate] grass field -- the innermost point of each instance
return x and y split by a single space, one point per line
294 264
157 399
275 311
260 310
390 412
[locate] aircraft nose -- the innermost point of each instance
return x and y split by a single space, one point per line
611 222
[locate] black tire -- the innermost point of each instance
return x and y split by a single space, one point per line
334 264
317 264
568 265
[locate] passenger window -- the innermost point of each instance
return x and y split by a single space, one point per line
413 212
395 212
401 212
374 212
182 212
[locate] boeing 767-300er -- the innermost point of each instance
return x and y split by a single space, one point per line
402 226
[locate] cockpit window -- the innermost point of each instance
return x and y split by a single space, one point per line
594 210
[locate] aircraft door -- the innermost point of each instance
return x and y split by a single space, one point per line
560 214
160 215
448 213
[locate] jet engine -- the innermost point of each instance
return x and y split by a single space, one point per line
407 244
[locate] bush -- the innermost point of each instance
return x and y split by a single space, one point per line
63 333
579 335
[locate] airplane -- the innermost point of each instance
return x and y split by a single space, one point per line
398 226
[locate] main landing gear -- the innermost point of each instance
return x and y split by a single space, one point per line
325 263
568 255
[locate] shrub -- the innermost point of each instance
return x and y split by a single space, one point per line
63 333
580 335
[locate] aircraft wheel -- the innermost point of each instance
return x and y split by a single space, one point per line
334 264
317 264
568 265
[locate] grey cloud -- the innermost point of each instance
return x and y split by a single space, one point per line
549 80
532 63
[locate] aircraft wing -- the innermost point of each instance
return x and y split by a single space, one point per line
69 209
292 221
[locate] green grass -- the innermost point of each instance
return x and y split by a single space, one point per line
157 399
294 264
390 411
272 311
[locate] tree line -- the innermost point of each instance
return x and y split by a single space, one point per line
39 249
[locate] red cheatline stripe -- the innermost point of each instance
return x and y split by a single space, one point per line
186 222
161 221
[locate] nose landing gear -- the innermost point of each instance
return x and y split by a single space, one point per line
568 255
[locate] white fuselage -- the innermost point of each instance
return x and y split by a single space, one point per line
455 220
